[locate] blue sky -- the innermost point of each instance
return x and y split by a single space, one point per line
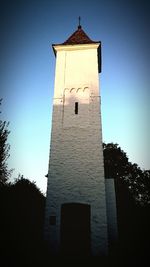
27 68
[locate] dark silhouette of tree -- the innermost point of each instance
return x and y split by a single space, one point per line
4 151
132 187
117 166
115 161
21 225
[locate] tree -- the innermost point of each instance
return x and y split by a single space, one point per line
116 162
21 225
28 209
135 180
132 187
4 151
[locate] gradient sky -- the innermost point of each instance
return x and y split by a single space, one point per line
27 69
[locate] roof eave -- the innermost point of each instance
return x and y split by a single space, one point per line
99 58
98 50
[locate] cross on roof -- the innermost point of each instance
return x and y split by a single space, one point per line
79 26
79 21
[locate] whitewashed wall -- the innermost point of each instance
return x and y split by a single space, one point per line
76 172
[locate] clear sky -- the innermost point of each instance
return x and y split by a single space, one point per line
27 68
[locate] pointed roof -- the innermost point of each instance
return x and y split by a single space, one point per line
78 37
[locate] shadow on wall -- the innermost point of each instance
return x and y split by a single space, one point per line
76 107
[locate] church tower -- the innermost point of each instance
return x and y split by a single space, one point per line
76 216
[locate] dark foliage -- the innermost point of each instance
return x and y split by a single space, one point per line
136 181
4 151
21 225
115 161
133 205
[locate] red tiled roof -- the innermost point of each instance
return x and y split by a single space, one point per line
78 37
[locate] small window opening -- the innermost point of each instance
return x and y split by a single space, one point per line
76 107
52 220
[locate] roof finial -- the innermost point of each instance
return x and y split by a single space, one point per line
79 26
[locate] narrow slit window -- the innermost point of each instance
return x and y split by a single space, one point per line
76 107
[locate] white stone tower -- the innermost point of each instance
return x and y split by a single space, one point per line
76 216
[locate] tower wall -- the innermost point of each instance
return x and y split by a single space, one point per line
76 172
111 212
